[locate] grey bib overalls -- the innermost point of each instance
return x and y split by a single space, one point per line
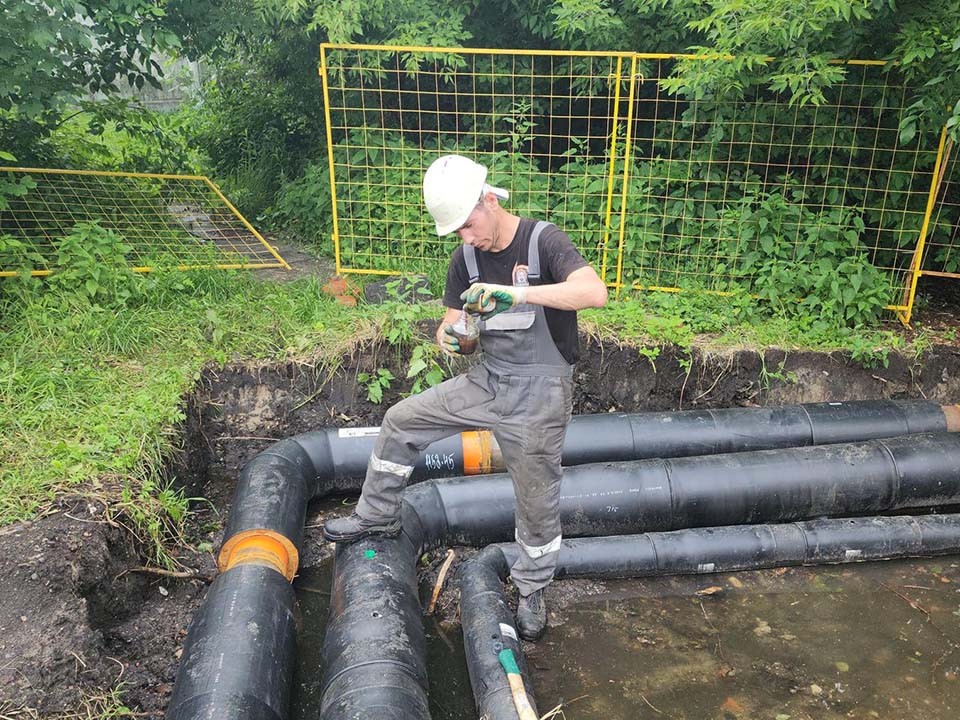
522 390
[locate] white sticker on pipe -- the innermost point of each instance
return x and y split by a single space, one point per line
508 631
705 567
853 554
358 432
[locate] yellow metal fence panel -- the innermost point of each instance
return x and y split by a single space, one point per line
549 126
170 220
724 190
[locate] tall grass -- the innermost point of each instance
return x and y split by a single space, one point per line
91 394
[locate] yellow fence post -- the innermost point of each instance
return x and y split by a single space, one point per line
613 167
627 162
333 178
917 263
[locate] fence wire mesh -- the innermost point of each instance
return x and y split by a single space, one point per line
658 191
942 253
170 220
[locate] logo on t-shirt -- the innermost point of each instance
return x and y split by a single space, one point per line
520 276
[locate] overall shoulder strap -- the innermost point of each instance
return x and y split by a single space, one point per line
533 250
470 260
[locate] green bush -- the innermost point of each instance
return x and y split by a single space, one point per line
133 140
807 264
92 268
303 207
260 119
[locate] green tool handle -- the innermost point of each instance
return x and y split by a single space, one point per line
520 700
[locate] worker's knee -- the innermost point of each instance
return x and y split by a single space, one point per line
399 417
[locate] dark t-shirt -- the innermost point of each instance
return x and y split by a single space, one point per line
558 258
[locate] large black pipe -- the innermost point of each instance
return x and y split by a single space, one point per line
610 499
340 455
265 527
374 656
488 624
240 652
488 627
619 436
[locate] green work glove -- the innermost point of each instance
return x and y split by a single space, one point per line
487 300
449 342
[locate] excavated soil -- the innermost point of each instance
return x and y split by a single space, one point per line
79 614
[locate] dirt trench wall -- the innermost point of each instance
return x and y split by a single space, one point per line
78 619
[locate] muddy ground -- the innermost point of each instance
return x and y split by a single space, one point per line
80 613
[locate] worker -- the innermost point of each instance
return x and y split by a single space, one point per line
525 280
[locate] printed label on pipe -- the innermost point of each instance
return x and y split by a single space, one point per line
358 432
508 631
705 568
853 554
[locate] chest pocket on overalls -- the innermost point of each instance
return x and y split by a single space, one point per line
518 318
510 335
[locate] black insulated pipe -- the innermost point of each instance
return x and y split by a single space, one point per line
276 485
488 627
375 656
742 488
617 436
239 655
488 624
615 499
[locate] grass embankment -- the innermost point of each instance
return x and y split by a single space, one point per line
90 398
91 392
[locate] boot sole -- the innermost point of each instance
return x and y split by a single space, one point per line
531 638
353 537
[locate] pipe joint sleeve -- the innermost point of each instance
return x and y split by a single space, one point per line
260 547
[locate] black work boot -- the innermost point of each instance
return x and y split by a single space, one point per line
532 615
354 527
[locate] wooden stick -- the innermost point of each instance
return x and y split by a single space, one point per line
440 579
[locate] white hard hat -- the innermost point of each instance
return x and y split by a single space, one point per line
452 187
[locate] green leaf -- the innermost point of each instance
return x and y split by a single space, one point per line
908 132
416 367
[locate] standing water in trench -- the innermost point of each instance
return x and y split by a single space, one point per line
872 640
